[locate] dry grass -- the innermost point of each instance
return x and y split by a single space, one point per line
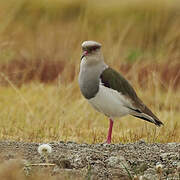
42 112
40 51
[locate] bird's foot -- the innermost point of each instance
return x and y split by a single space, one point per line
108 141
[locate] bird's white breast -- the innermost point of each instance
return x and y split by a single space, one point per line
110 102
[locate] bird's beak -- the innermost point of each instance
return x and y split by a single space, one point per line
84 54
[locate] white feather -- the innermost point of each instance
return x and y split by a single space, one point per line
110 102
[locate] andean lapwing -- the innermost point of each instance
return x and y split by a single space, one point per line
107 90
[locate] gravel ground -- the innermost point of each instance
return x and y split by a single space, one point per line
101 161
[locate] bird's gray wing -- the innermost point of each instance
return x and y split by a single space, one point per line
114 80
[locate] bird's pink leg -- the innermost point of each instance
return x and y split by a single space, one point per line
110 131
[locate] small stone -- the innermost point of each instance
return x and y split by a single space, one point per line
164 156
141 141
150 177
143 178
135 178
143 167
178 167
150 171
118 162
63 163
172 144
167 156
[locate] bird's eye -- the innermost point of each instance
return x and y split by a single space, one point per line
93 48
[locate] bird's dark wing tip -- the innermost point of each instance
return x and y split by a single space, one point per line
155 121
158 123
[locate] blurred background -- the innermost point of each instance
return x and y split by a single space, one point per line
40 49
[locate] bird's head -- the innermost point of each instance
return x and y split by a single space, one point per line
91 51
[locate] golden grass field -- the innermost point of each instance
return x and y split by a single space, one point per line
40 49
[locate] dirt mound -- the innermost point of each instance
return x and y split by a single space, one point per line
98 161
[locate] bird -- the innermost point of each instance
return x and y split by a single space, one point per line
107 90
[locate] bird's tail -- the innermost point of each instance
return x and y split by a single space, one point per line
146 115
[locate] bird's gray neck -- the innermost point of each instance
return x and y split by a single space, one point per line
89 75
